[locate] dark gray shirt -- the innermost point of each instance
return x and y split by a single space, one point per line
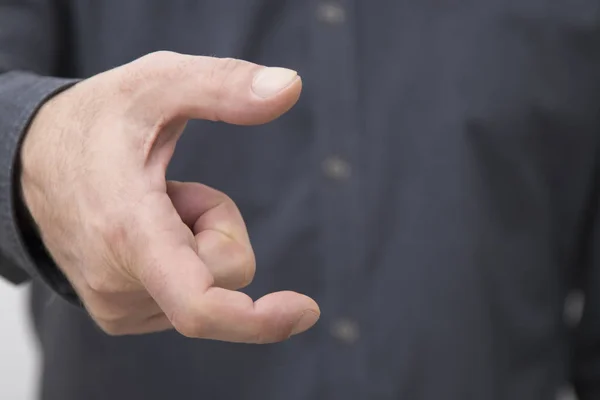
435 189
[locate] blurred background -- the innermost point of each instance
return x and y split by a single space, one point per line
18 349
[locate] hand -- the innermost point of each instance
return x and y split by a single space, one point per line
144 254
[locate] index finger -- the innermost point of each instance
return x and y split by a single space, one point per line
182 285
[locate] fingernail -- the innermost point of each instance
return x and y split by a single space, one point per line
306 320
270 81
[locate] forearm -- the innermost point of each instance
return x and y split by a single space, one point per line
21 94
31 50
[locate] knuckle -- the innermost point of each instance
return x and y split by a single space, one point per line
114 230
250 269
229 65
225 70
107 314
112 328
156 62
159 56
222 72
131 79
227 202
98 282
245 259
109 324
146 69
188 324
168 65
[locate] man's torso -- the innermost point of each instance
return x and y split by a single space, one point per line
427 191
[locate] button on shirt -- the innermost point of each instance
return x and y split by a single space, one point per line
434 189
332 13
336 168
345 330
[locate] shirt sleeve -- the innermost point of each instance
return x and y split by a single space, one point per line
32 54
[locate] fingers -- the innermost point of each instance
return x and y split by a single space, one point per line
220 232
183 286
193 201
195 246
233 316
274 317
221 314
233 91
231 264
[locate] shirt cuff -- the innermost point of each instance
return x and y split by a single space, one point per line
22 253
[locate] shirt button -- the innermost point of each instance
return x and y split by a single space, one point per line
573 308
331 13
336 168
345 330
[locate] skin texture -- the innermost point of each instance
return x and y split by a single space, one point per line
145 254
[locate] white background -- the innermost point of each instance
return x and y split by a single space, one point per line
18 349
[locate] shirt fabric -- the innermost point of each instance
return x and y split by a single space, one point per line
435 190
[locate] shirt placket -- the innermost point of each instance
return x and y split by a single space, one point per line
335 77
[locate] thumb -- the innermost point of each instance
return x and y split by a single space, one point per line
173 86
169 89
